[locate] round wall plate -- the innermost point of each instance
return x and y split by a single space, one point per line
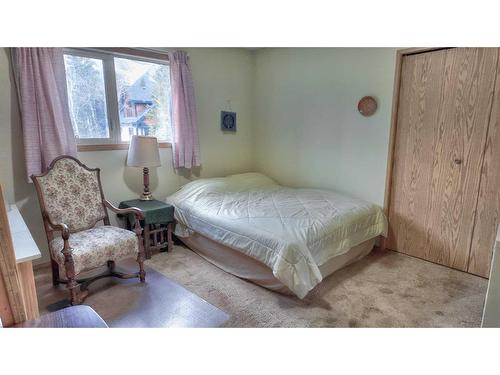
367 106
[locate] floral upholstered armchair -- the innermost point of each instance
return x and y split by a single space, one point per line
77 225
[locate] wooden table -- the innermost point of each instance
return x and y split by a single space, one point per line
18 300
158 223
81 316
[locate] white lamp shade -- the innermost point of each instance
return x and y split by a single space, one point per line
143 152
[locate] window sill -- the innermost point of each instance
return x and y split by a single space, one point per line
114 146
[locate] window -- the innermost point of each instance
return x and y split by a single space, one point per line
87 96
114 96
143 90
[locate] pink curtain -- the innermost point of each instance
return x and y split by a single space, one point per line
185 146
43 101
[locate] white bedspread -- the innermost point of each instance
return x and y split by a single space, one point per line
292 231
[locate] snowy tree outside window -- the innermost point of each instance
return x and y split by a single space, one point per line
112 98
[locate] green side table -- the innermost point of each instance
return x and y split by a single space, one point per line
158 224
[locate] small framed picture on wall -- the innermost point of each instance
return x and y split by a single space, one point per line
228 121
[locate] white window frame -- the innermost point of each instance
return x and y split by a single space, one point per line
111 96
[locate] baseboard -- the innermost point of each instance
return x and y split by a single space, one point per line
41 266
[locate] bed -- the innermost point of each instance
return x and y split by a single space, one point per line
282 238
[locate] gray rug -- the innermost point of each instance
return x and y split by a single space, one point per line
385 289
127 303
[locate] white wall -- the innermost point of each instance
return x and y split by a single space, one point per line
491 312
219 75
308 130
297 122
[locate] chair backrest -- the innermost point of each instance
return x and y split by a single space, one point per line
71 193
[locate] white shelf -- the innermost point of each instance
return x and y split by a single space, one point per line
25 247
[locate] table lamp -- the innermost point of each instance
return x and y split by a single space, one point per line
143 152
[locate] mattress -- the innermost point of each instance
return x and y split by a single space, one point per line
292 231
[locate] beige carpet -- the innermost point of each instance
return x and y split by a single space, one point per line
385 289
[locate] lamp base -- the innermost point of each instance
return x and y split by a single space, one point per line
146 197
146 194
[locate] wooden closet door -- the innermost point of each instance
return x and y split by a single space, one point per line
488 202
444 109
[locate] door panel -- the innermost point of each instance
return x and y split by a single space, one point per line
488 204
420 89
444 108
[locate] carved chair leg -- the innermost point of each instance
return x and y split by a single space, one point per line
73 292
55 272
76 295
142 273
141 255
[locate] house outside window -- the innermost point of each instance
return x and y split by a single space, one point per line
113 96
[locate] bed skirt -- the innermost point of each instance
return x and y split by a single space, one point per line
247 268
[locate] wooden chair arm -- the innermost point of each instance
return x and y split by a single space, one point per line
138 216
66 250
59 226
122 211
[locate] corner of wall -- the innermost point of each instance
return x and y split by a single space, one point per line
253 106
